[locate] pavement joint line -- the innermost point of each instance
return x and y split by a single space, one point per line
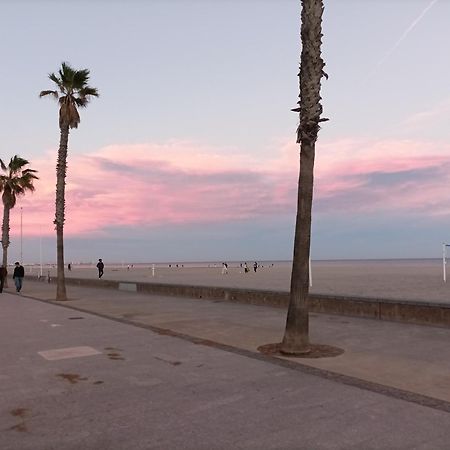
388 391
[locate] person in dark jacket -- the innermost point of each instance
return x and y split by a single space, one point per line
3 274
19 273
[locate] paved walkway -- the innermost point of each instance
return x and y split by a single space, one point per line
140 387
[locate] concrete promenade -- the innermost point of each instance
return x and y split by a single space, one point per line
177 373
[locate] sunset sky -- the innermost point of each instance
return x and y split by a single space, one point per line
189 154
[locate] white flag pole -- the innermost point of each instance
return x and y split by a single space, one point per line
310 273
444 262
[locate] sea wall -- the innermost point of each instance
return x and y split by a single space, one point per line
417 312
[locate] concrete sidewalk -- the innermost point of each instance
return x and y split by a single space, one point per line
73 380
405 357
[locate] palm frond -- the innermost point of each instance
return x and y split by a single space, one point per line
58 82
88 92
26 183
81 102
80 79
76 93
2 165
19 189
16 163
27 171
66 74
44 93
17 181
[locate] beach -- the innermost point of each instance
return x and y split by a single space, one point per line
387 279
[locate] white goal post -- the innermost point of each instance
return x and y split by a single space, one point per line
444 260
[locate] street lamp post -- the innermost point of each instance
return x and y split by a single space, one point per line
40 253
21 236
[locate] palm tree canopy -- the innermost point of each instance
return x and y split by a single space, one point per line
15 180
72 92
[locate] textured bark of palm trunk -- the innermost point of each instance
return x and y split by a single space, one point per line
296 337
5 239
61 169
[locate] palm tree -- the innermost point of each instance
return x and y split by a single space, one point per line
72 92
296 336
15 180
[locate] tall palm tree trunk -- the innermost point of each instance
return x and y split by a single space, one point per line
5 239
296 337
61 169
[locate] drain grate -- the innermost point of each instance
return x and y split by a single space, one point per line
75 318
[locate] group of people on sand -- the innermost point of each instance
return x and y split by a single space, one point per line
246 268
18 276
242 266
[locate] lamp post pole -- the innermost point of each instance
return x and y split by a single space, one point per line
21 236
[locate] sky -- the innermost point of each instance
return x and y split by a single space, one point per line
189 153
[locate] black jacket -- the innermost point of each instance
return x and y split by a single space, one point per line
19 272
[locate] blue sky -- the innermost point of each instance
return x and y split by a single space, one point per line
190 154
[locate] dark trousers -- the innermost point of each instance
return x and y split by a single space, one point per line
2 283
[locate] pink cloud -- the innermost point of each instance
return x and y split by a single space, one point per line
150 185
182 182
385 175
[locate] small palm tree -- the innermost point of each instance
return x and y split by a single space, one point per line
296 336
15 180
72 92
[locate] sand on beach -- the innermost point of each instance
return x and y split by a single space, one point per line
392 279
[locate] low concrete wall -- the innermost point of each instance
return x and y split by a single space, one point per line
417 312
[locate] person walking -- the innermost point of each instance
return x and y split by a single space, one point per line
3 275
18 274
224 268
100 267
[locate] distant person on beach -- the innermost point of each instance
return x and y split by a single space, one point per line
224 268
3 275
246 270
100 267
18 274
69 266
255 266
